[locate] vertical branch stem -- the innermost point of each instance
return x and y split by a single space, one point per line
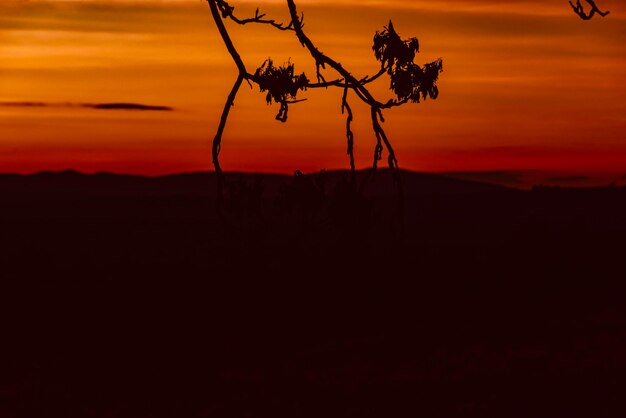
345 106
230 101
217 140
391 160
226 37
377 130
357 86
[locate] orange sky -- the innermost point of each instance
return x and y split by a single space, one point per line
526 85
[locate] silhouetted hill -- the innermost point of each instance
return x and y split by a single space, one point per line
106 183
128 296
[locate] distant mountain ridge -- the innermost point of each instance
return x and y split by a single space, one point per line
203 183
381 183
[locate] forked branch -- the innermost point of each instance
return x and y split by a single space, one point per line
580 10
409 82
228 12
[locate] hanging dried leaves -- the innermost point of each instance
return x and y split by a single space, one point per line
409 81
281 83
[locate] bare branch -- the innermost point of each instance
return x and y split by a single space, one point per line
213 4
352 83
335 83
340 81
367 80
408 80
345 107
322 60
318 67
580 11
228 12
230 101
217 140
295 101
392 161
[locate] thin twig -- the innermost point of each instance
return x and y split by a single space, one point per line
345 107
580 11
228 12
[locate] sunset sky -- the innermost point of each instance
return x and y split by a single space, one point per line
527 85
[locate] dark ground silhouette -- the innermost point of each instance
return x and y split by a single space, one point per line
124 296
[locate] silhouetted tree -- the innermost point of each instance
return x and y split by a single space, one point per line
409 81
580 11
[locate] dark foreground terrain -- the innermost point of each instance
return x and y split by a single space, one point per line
127 297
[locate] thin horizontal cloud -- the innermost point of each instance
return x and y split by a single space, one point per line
98 106
127 106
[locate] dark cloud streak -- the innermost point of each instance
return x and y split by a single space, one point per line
127 106
97 106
